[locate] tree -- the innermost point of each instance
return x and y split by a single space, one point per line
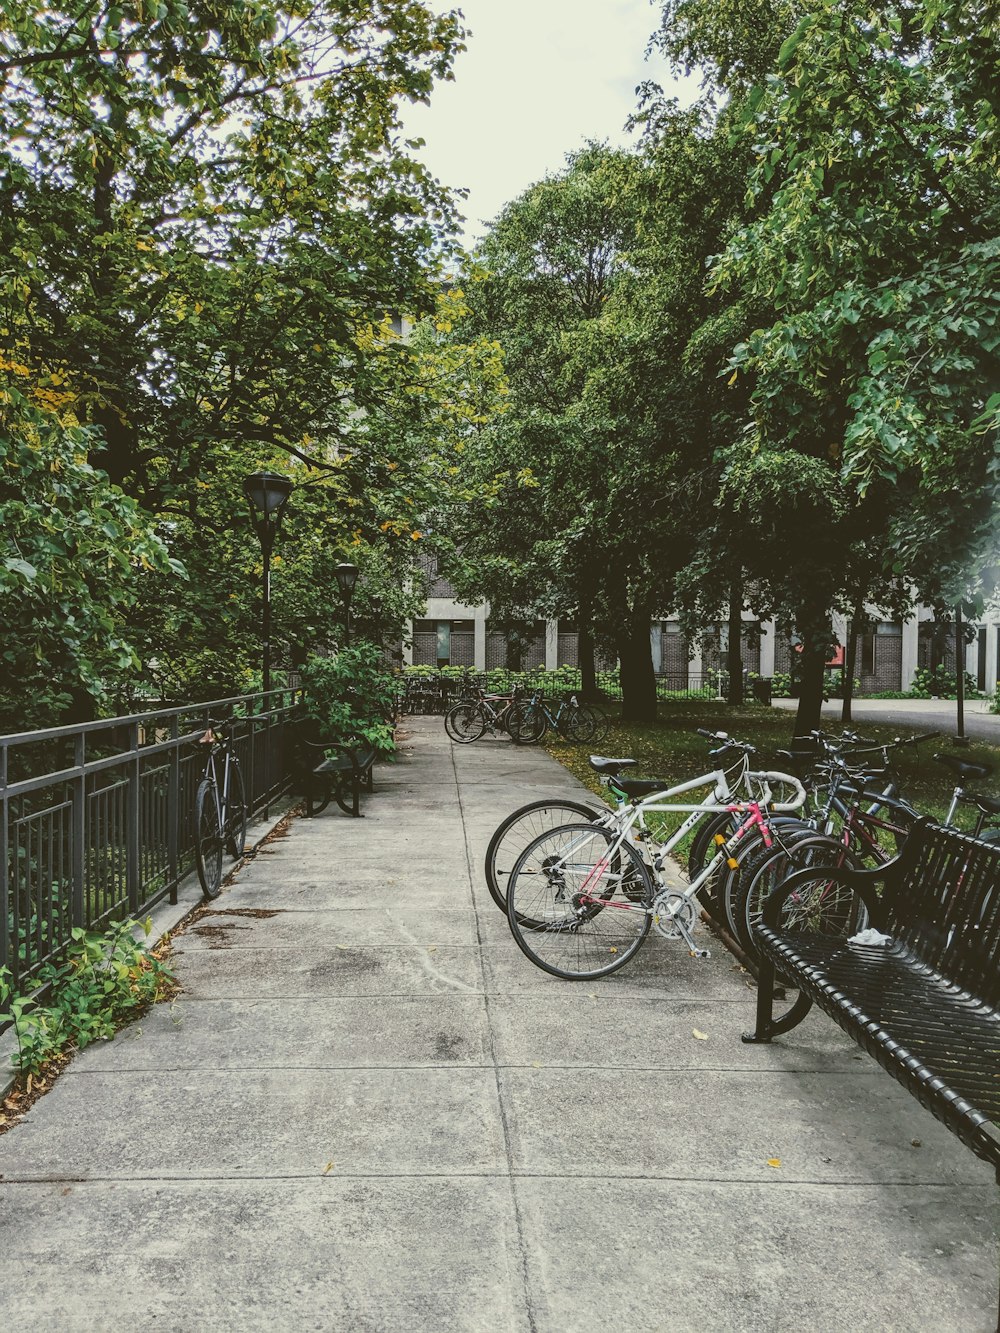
594 279
211 219
73 557
871 238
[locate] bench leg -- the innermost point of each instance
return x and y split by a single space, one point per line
318 791
767 1025
353 808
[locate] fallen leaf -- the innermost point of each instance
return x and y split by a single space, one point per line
433 949
536 1064
702 1036
328 1168
774 1161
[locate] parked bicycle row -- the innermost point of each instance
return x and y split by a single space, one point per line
583 886
523 716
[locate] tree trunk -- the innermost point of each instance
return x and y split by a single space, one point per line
811 689
637 676
851 660
585 653
734 652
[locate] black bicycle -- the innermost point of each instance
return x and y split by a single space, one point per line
220 808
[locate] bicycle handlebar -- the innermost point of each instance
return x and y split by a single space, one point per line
787 779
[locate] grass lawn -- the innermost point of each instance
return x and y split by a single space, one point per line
669 748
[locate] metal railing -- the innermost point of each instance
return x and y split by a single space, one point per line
97 821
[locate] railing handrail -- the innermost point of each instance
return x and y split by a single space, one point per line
103 723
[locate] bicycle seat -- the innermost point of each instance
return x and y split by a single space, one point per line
600 764
963 770
636 787
990 805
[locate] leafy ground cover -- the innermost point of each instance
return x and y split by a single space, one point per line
670 748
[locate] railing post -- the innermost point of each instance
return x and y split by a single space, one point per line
5 960
132 830
79 836
173 810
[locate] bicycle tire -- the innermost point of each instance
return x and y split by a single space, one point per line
766 872
527 726
747 850
208 840
514 833
587 725
579 941
236 813
465 723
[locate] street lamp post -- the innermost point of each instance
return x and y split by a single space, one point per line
267 493
347 576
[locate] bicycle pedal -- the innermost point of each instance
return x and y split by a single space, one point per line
700 953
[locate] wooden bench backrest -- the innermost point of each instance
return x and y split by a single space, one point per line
944 902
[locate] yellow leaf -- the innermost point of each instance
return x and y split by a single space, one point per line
774 1161
702 1036
328 1168
732 379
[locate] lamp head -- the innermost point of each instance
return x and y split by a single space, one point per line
347 576
267 493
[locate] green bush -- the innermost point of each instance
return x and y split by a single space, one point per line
351 697
940 684
781 685
101 981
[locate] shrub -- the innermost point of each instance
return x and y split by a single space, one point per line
351 697
100 982
940 684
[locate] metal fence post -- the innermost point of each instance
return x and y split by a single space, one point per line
78 859
4 865
132 831
173 809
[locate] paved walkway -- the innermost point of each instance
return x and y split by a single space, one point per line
367 1111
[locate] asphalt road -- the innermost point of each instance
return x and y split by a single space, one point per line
917 715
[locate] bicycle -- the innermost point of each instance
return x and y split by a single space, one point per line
493 713
710 827
220 809
582 898
868 820
572 720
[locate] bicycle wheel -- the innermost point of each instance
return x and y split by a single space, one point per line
826 911
592 902
465 723
520 828
747 850
527 726
586 725
236 813
207 839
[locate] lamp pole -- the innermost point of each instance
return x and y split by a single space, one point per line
266 493
346 575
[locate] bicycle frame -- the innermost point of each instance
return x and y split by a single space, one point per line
753 817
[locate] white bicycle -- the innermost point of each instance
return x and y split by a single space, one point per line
581 898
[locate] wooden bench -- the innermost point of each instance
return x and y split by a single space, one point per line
331 770
926 1006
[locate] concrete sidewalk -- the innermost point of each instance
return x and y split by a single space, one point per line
368 1111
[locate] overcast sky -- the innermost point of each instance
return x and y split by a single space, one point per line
539 78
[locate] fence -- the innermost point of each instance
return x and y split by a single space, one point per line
97 820
435 693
